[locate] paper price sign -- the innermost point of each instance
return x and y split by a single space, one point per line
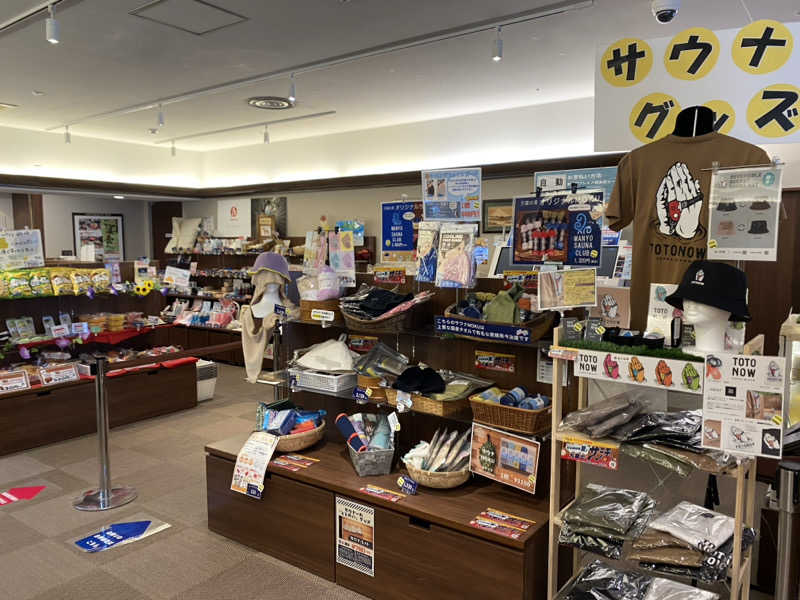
318 314
526 279
389 275
14 381
58 374
590 452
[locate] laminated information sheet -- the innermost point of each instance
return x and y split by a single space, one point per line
251 464
743 408
355 536
743 214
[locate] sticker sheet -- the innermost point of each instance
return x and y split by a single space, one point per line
743 406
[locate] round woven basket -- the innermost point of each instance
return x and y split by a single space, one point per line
438 480
300 441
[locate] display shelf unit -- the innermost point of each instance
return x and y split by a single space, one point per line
422 542
744 474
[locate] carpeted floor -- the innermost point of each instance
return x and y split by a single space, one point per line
164 459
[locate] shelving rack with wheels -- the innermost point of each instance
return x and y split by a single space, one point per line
744 473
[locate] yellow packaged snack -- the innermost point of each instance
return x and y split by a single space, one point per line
81 280
61 281
40 282
101 280
18 284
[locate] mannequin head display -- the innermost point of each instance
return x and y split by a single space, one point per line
711 294
270 274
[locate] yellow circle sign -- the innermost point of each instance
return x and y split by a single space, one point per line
775 111
762 47
653 117
692 54
626 62
724 115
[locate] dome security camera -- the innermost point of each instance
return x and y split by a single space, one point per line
665 10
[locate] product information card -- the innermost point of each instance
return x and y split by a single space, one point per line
452 195
355 536
251 464
743 404
743 215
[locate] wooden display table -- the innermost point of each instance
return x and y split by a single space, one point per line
424 544
50 414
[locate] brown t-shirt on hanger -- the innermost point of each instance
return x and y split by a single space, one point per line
663 189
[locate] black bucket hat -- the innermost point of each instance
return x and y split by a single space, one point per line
758 227
726 206
717 284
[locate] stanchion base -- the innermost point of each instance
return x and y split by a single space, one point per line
90 499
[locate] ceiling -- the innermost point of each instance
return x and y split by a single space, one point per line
109 59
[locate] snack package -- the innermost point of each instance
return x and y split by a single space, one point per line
427 250
101 280
18 284
61 281
40 282
81 280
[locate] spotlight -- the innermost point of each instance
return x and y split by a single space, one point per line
51 27
266 134
497 55
160 117
172 151
118 197
292 97
67 135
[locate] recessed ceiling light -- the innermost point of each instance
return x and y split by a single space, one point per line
118 197
270 102
37 93
37 165
153 130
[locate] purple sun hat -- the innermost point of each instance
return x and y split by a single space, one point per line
271 261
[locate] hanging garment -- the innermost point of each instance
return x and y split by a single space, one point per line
254 342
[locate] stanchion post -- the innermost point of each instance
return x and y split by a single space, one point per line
104 497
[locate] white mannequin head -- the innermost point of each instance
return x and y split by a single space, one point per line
709 323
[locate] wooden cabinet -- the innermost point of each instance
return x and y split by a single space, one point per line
292 521
418 559
424 545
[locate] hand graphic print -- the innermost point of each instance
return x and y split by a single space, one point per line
679 202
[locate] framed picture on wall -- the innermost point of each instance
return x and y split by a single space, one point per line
497 215
105 233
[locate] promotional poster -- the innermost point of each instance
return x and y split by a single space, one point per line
452 195
505 457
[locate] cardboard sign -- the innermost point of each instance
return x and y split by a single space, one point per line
55 374
14 381
494 361
504 457
391 275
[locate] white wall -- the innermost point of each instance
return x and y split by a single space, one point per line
58 211
6 212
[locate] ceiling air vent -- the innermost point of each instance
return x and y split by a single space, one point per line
269 102
192 16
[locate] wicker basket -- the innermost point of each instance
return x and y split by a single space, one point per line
398 323
326 382
423 404
307 306
519 420
373 384
538 327
300 441
372 462
441 481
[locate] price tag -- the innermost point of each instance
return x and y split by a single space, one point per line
280 310
58 374
81 328
528 280
60 330
360 396
318 314
389 275
14 381
394 422
404 399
